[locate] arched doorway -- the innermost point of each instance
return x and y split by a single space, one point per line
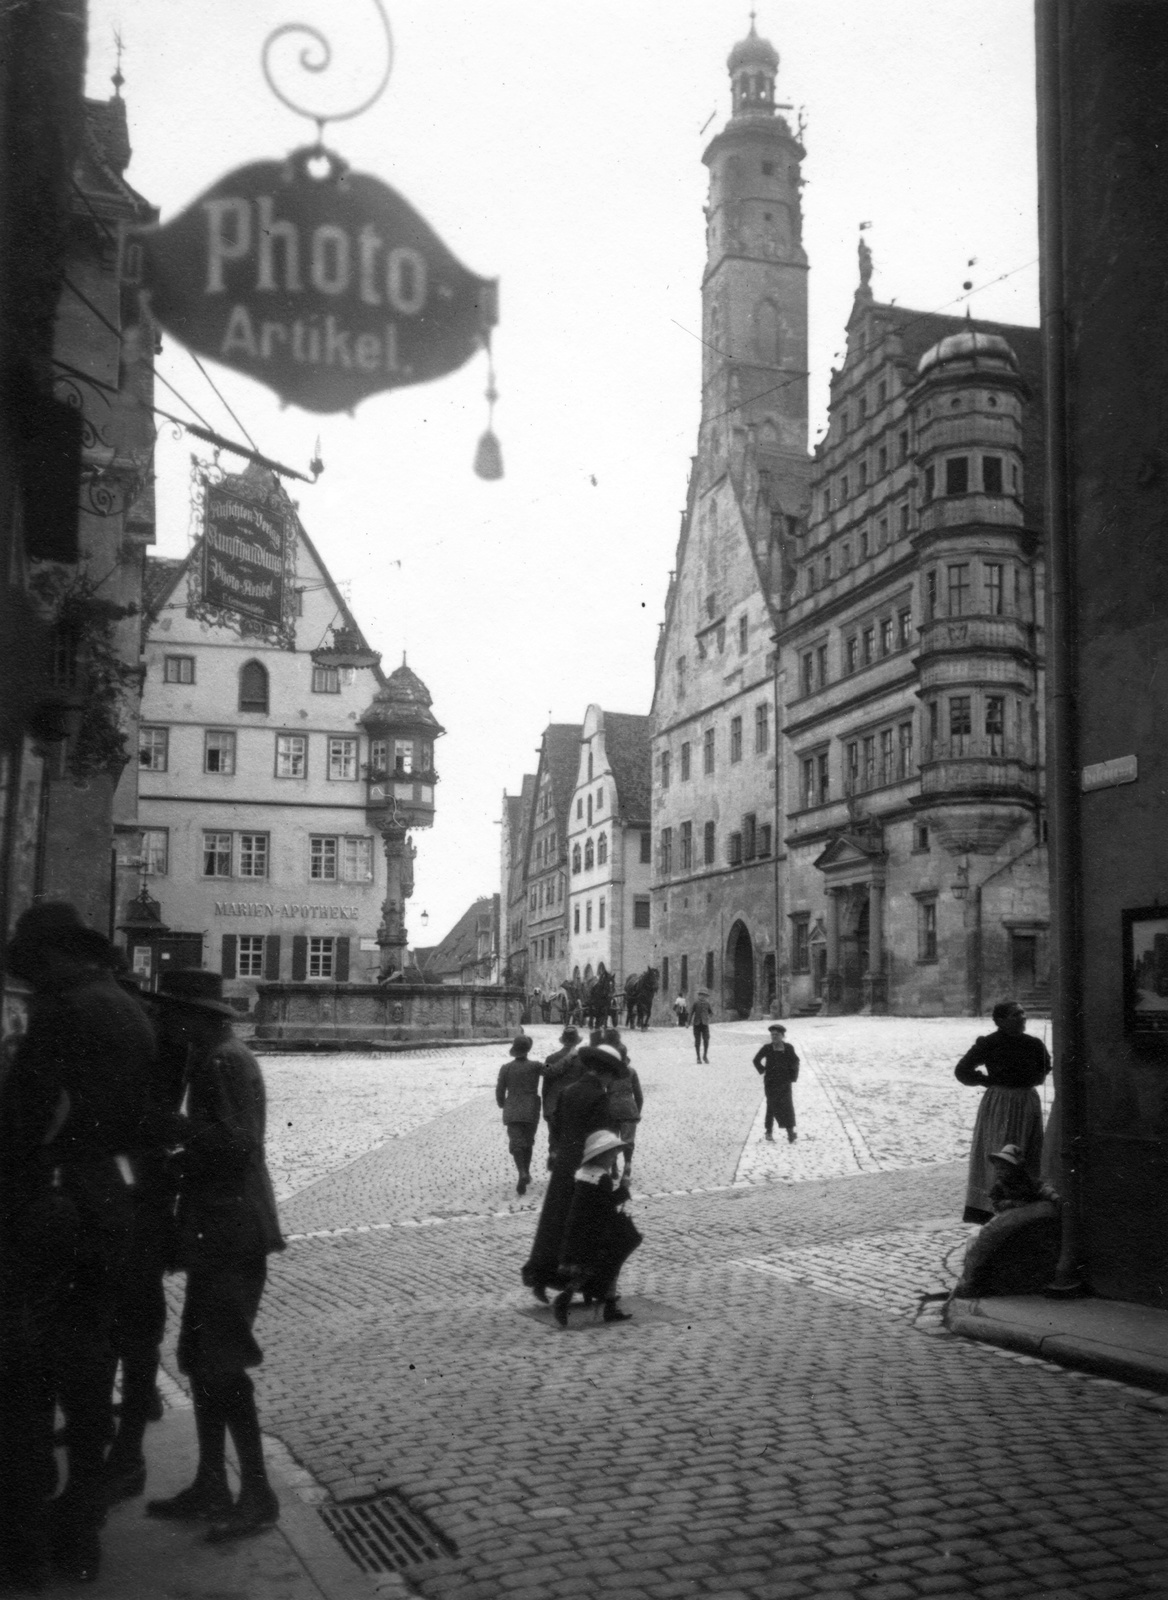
740 970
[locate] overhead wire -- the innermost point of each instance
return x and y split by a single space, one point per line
801 377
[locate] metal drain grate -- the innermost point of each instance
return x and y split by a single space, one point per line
384 1533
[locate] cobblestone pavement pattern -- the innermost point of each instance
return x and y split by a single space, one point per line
783 1419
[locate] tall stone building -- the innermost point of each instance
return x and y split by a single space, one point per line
847 764
610 850
912 669
546 855
513 880
716 885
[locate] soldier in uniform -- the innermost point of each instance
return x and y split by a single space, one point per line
226 1227
75 1112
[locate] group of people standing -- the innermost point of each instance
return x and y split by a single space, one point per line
131 1144
592 1101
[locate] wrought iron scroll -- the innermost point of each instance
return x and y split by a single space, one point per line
316 57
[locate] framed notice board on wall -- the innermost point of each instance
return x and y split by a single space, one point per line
1145 973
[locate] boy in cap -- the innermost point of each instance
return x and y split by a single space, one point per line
227 1226
598 1237
517 1094
1013 1186
700 1018
779 1066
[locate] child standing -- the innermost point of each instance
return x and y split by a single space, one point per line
779 1066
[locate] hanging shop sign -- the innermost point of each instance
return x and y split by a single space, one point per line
323 284
246 559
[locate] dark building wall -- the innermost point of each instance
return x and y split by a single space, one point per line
1103 86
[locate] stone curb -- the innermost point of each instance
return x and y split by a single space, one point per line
301 1526
362 1047
966 1318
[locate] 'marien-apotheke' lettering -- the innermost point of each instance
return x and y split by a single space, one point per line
267 908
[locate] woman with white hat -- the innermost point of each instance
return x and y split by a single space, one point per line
598 1237
583 1108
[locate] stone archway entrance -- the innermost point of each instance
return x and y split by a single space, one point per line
740 970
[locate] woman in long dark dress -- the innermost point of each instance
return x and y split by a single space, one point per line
1010 1113
598 1236
583 1108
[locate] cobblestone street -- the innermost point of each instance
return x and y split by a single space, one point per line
783 1417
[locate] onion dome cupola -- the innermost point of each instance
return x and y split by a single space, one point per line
402 730
753 65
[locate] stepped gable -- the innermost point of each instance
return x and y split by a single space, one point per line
562 746
628 745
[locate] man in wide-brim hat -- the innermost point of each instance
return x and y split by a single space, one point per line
517 1095
76 1109
227 1226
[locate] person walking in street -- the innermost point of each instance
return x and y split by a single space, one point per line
75 1112
560 1069
1010 1113
625 1100
517 1094
681 1011
779 1066
583 1108
599 1236
227 1226
700 1018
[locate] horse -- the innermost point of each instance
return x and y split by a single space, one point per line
639 993
598 999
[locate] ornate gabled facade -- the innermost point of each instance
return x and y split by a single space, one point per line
715 882
911 649
546 856
609 843
513 879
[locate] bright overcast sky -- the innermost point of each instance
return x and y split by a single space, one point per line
559 149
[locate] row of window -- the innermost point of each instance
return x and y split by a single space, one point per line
753 841
709 746
682 970
581 798
257 955
801 941
952 590
228 853
957 725
253 680
863 476
291 754
958 473
546 893
597 856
